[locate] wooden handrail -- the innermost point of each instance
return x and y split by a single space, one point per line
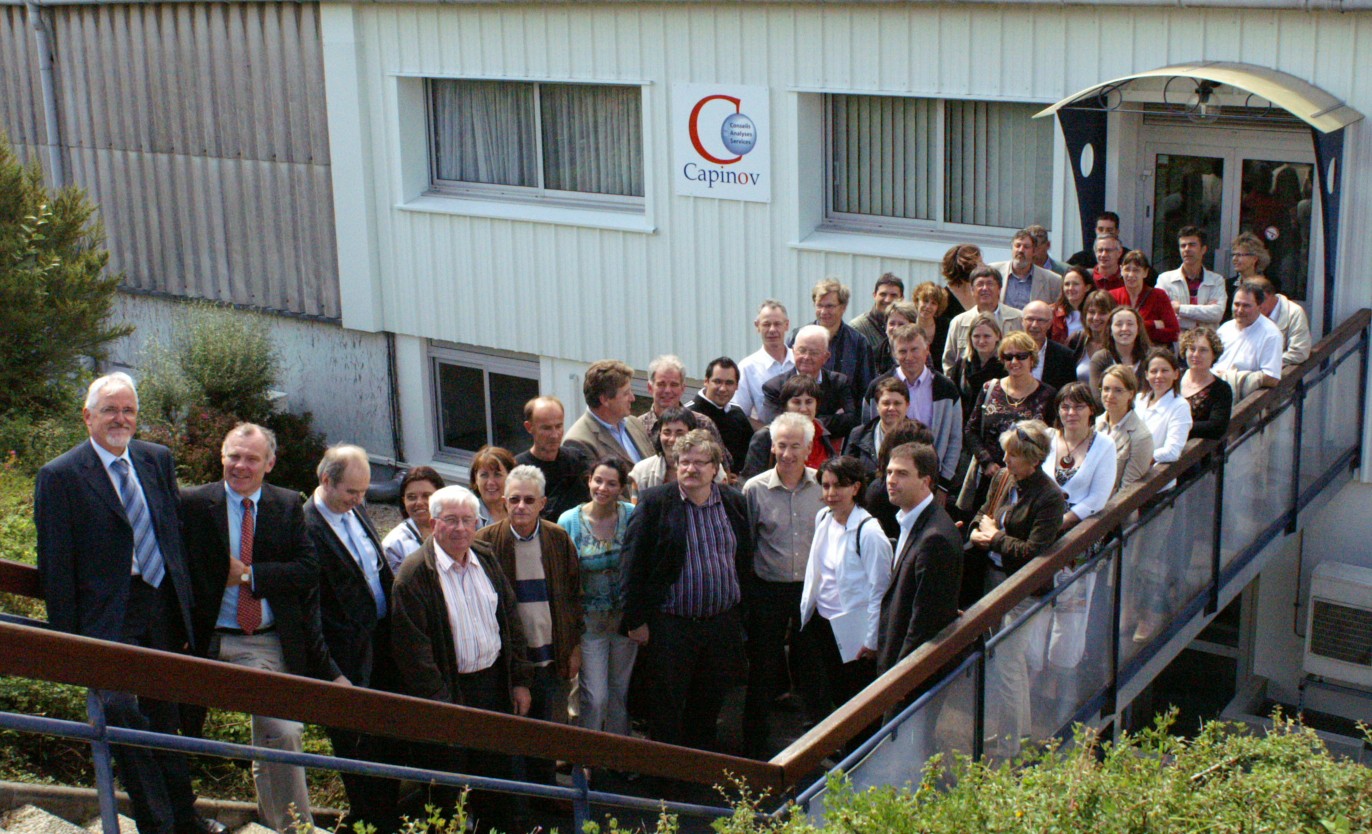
41 653
65 658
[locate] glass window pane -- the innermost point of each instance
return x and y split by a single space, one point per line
1187 191
483 132
592 138
1276 206
461 407
508 395
999 164
882 155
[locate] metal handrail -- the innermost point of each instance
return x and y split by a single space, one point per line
48 655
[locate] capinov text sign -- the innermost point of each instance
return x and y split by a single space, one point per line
722 142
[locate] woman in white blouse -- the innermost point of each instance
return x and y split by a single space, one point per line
1081 462
1163 409
1168 416
845 579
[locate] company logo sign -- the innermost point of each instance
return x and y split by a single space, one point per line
721 138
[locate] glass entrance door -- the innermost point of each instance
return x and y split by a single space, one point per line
1228 181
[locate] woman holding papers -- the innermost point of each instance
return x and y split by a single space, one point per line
849 569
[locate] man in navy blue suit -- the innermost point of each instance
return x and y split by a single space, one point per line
109 554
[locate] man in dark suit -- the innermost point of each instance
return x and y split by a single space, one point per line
109 553
354 603
256 582
837 406
1056 365
923 595
689 550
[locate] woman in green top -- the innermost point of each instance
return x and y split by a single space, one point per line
607 657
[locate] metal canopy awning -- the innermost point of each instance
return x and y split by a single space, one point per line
1305 101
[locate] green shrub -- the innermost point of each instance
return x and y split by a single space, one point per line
218 370
55 298
299 448
1227 779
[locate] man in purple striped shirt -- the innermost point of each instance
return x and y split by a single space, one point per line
689 554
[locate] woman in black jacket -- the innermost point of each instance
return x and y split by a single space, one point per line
1019 521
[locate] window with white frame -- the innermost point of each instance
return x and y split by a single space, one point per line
898 162
480 400
570 143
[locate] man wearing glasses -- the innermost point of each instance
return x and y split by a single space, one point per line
849 352
690 552
541 563
456 640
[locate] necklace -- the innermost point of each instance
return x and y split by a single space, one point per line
1011 401
1068 461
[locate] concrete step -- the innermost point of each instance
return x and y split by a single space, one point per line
30 819
126 826
254 828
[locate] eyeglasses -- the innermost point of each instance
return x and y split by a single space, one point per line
1025 438
1071 406
457 521
1015 357
521 499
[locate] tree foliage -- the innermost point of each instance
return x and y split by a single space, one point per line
55 296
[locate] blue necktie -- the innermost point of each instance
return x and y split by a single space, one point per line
368 562
145 552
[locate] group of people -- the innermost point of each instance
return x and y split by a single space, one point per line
818 511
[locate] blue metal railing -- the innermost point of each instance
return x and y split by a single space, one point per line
1283 452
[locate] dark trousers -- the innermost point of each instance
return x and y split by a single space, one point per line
548 693
488 690
827 681
158 781
370 798
773 607
691 662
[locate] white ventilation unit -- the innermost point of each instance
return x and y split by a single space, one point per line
1338 636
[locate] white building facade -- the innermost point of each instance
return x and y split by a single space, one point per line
467 224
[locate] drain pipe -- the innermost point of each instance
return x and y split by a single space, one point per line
41 34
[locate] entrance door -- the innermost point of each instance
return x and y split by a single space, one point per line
1226 181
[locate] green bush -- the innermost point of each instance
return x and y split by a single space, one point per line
1227 779
219 358
55 298
218 370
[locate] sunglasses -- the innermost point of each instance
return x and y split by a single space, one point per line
1015 357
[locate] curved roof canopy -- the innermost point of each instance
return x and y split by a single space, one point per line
1301 99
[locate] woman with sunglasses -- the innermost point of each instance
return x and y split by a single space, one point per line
1019 521
1126 343
1003 402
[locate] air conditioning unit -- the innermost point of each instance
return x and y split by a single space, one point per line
1338 636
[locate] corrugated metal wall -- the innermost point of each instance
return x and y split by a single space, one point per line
200 131
692 286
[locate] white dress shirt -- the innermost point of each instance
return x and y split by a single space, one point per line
471 601
754 372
